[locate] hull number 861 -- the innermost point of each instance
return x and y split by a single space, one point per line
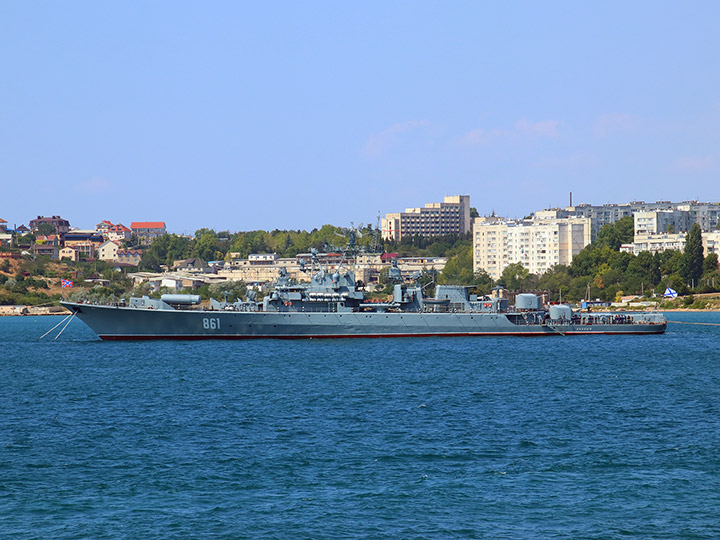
212 323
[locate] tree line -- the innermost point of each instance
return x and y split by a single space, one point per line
209 245
600 270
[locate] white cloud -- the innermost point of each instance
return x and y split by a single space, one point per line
380 142
523 129
546 128
476 136
610 124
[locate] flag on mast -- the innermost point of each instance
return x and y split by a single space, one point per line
670 293
67 284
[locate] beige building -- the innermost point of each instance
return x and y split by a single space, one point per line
537 244
452 216
131 257
69 253
266 268
107 251
86 248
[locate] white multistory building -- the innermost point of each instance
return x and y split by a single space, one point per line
650 217
452 216
655 243
537 244
662 221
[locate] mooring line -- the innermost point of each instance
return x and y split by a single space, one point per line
66 325
54 327
698 323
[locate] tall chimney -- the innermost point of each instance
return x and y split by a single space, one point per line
571 198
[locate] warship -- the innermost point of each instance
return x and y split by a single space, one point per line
334 305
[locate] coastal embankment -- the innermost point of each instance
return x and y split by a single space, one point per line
12 311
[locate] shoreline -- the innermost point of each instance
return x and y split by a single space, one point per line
30 311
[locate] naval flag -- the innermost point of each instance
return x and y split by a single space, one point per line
66 283
670 293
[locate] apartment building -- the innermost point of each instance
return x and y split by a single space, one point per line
670 241
662 221
681 214
707 215
537 244
147 231
452 216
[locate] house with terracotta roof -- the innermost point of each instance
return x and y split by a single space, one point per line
51 239
118 233
147 231
103 226
3 225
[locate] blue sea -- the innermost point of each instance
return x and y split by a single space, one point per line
588 437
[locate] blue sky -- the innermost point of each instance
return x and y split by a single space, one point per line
247 115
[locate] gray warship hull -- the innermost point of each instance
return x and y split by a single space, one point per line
131 323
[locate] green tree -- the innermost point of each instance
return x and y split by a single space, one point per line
234 290
206 246
643 269
150 261
556 280
46 229
482 282
459 268
710 263
615 234
514 276
691 263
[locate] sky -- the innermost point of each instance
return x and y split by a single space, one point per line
258 115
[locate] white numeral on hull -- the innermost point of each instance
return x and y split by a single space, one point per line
211 323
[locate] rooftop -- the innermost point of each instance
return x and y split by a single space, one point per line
147 225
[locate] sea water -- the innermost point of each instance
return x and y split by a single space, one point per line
559 437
